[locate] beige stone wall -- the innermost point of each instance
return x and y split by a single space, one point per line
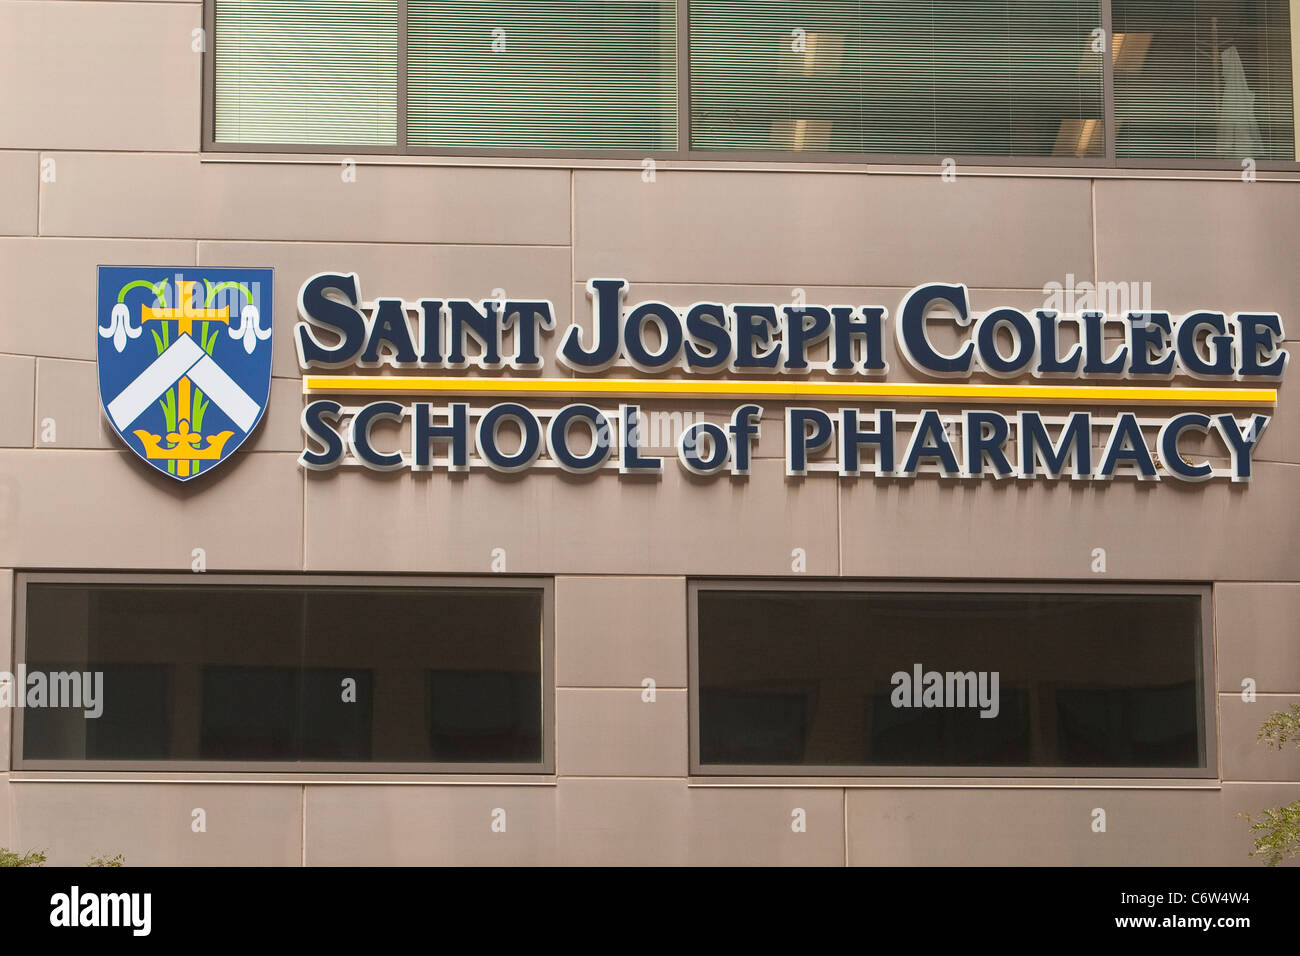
109 93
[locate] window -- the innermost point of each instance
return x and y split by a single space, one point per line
825 680
482 74
590 74
311 72
1203 79
1206 81
241 674
897 76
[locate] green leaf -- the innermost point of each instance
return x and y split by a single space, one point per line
137 284
1281 727
169 409
222 286
1279 834
10 858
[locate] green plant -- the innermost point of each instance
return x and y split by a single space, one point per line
9 858
1278 829
1281 727
37 858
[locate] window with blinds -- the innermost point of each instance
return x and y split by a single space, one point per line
1192 79
305 72
1203 79
584 74
898 76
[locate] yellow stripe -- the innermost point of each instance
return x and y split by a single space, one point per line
677 388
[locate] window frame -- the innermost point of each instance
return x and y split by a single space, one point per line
1208 711
683 151
546 646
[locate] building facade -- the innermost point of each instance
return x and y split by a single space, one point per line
979 579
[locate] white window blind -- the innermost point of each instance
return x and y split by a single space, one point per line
306 72
578 74
937 77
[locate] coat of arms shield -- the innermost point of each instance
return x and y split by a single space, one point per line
184 361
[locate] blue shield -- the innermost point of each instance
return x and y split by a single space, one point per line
184 361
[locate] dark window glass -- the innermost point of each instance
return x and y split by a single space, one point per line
249 713
927 679
1203 79
137 727
238 674
754 726
482 712
284 713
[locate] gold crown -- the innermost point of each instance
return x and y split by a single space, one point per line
186 444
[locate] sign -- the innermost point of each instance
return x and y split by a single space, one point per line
184 357
1099 403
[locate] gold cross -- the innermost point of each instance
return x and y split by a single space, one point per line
186 314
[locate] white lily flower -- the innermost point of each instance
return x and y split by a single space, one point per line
119 327
248 328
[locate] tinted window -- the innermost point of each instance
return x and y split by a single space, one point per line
950 680
241 674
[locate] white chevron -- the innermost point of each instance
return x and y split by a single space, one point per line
183 357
